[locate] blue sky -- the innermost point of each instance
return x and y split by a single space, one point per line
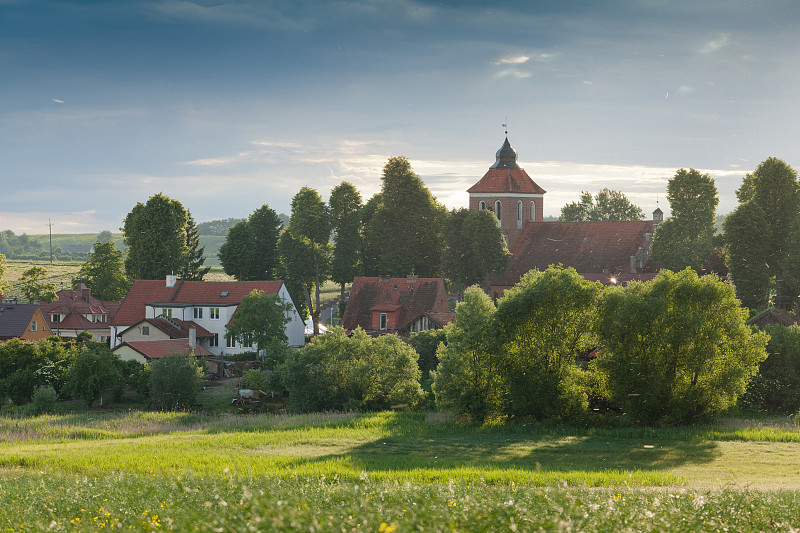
229 105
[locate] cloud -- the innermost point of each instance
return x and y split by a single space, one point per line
715 44
512 60
513 73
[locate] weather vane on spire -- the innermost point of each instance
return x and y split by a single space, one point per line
505 125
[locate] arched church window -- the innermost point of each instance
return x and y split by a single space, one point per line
519 214
533 211
481 205
498 212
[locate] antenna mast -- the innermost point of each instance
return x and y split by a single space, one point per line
50 225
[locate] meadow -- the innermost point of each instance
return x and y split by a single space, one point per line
391 472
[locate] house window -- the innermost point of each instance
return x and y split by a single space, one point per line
533 211
167 313
214 313
230 342
498 212
198 312
248 342
55 319
214 342
383 321
34 326
145 330
519 214
481 205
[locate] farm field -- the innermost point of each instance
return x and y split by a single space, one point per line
390 472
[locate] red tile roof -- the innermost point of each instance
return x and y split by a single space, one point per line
412 296
175 328
158 349
506 180
771 317
208 293
75 304
588 247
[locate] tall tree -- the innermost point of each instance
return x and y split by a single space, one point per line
406 229
748 234
607 205
155 234
250 251
194 257
476 249
774 188
684 239
104 272
345 206
94 373
234 254
305 247
370 251
35 288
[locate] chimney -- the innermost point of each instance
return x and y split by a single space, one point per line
192 338
172 279
412 278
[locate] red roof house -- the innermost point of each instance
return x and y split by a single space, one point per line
146 351
76 311
210 305
407 305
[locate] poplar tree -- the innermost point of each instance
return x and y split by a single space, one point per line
345 207
155 234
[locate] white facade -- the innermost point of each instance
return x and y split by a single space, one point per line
214 317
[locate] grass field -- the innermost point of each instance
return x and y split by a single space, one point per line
395 471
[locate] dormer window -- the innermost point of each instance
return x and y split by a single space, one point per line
383 321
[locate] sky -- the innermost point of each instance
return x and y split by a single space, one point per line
230 105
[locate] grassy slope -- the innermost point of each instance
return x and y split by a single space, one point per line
358 472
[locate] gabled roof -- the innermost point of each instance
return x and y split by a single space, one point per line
206 293
410 297
15 318
506 176
158 349
588 247
75 304
175 328
771 317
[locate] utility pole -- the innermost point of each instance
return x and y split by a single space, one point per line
50 225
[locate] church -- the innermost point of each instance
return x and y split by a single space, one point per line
610 252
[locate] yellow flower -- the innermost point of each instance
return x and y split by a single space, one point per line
385 528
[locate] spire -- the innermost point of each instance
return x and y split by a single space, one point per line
506 157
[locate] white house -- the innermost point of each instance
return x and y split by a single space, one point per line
208 304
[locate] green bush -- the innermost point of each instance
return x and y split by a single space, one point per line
426 343
676 349
255 379
336 372
776 388
175 381
44 400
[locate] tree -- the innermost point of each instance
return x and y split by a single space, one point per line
476 249
345 206
776 387
193 258
748 236
305 249
406 228
234 254
542 325
340 372
250 251
175 381
774 188
607 205
676 349
94 373
104 236
468 380
370 251
27 365
104 272
155 234
34 288
684 239
260 319
4 285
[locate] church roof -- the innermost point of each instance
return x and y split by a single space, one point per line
506 176
588 247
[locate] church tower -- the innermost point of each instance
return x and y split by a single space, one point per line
507 190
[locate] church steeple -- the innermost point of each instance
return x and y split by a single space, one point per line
506 158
